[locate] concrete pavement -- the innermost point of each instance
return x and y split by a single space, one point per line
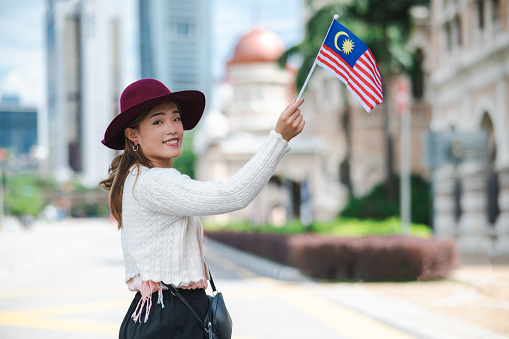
66 281
472 303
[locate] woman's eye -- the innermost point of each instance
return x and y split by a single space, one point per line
158 122
177 119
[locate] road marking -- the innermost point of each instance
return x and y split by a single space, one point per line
68 291
47 317
341 319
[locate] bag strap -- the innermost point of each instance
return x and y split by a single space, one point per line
212 282
176 293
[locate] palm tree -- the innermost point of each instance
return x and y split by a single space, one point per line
384 26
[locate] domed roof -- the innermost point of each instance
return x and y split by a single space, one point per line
258 45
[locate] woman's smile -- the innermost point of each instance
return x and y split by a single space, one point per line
172 142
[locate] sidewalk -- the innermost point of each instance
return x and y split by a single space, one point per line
472 303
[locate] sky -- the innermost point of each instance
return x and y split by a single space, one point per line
22 39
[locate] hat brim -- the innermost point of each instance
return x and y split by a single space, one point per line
191 103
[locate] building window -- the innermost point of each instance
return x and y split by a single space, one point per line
492 183
417 74
183 26
495 12
448 37
457 31
480 14
457 191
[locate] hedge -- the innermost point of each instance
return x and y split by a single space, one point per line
372 258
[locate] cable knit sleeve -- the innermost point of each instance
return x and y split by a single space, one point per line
168 191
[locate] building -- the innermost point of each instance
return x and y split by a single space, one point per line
175 43
18 133
83 83
311 180
255 92
470 90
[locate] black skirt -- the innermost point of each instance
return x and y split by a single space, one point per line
174 321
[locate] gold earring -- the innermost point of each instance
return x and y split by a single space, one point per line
135 148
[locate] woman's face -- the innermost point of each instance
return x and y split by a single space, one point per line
159 134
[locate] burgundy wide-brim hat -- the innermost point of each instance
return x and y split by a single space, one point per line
145 94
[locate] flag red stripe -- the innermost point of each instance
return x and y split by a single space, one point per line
337 61
325 64
367 84
366 94
366 70
350 69
360 97
336 55
372 62
363 60
363 80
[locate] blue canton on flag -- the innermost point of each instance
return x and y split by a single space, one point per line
350 60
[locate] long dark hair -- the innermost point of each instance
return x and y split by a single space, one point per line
119 169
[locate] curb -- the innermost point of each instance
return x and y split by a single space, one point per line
256 264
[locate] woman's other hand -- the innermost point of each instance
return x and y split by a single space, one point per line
291 122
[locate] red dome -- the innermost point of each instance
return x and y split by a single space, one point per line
258 45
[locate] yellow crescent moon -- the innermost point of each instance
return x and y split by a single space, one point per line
336 39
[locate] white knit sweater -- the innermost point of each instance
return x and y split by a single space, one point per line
159 239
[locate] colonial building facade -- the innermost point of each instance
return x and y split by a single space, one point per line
254 93
311 182
470 89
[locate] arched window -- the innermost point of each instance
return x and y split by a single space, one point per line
492 184
417 74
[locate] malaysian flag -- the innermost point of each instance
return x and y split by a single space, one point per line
350 60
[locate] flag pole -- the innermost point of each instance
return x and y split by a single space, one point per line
307 79
336 17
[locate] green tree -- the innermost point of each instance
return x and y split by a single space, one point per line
186 161
384 26
26 194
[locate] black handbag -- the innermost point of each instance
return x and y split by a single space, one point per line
217 323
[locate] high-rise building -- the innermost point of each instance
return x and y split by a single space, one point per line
18 131
175 43
83 67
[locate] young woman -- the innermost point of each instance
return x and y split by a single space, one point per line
157 208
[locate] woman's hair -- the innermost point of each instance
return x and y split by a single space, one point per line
119 169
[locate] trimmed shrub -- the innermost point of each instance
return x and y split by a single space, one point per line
373 258
268 245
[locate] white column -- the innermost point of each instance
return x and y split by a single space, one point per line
502 223
473 221
443 202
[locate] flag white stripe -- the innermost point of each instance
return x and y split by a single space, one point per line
372 63
340 74
364 98
369 70
363 104
357 76
362 80
365 62
333 60
366 82
333 71
362 92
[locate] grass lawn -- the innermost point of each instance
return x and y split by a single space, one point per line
341 227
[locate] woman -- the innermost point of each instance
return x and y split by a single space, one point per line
157 208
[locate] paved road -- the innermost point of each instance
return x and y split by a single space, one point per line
66 281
